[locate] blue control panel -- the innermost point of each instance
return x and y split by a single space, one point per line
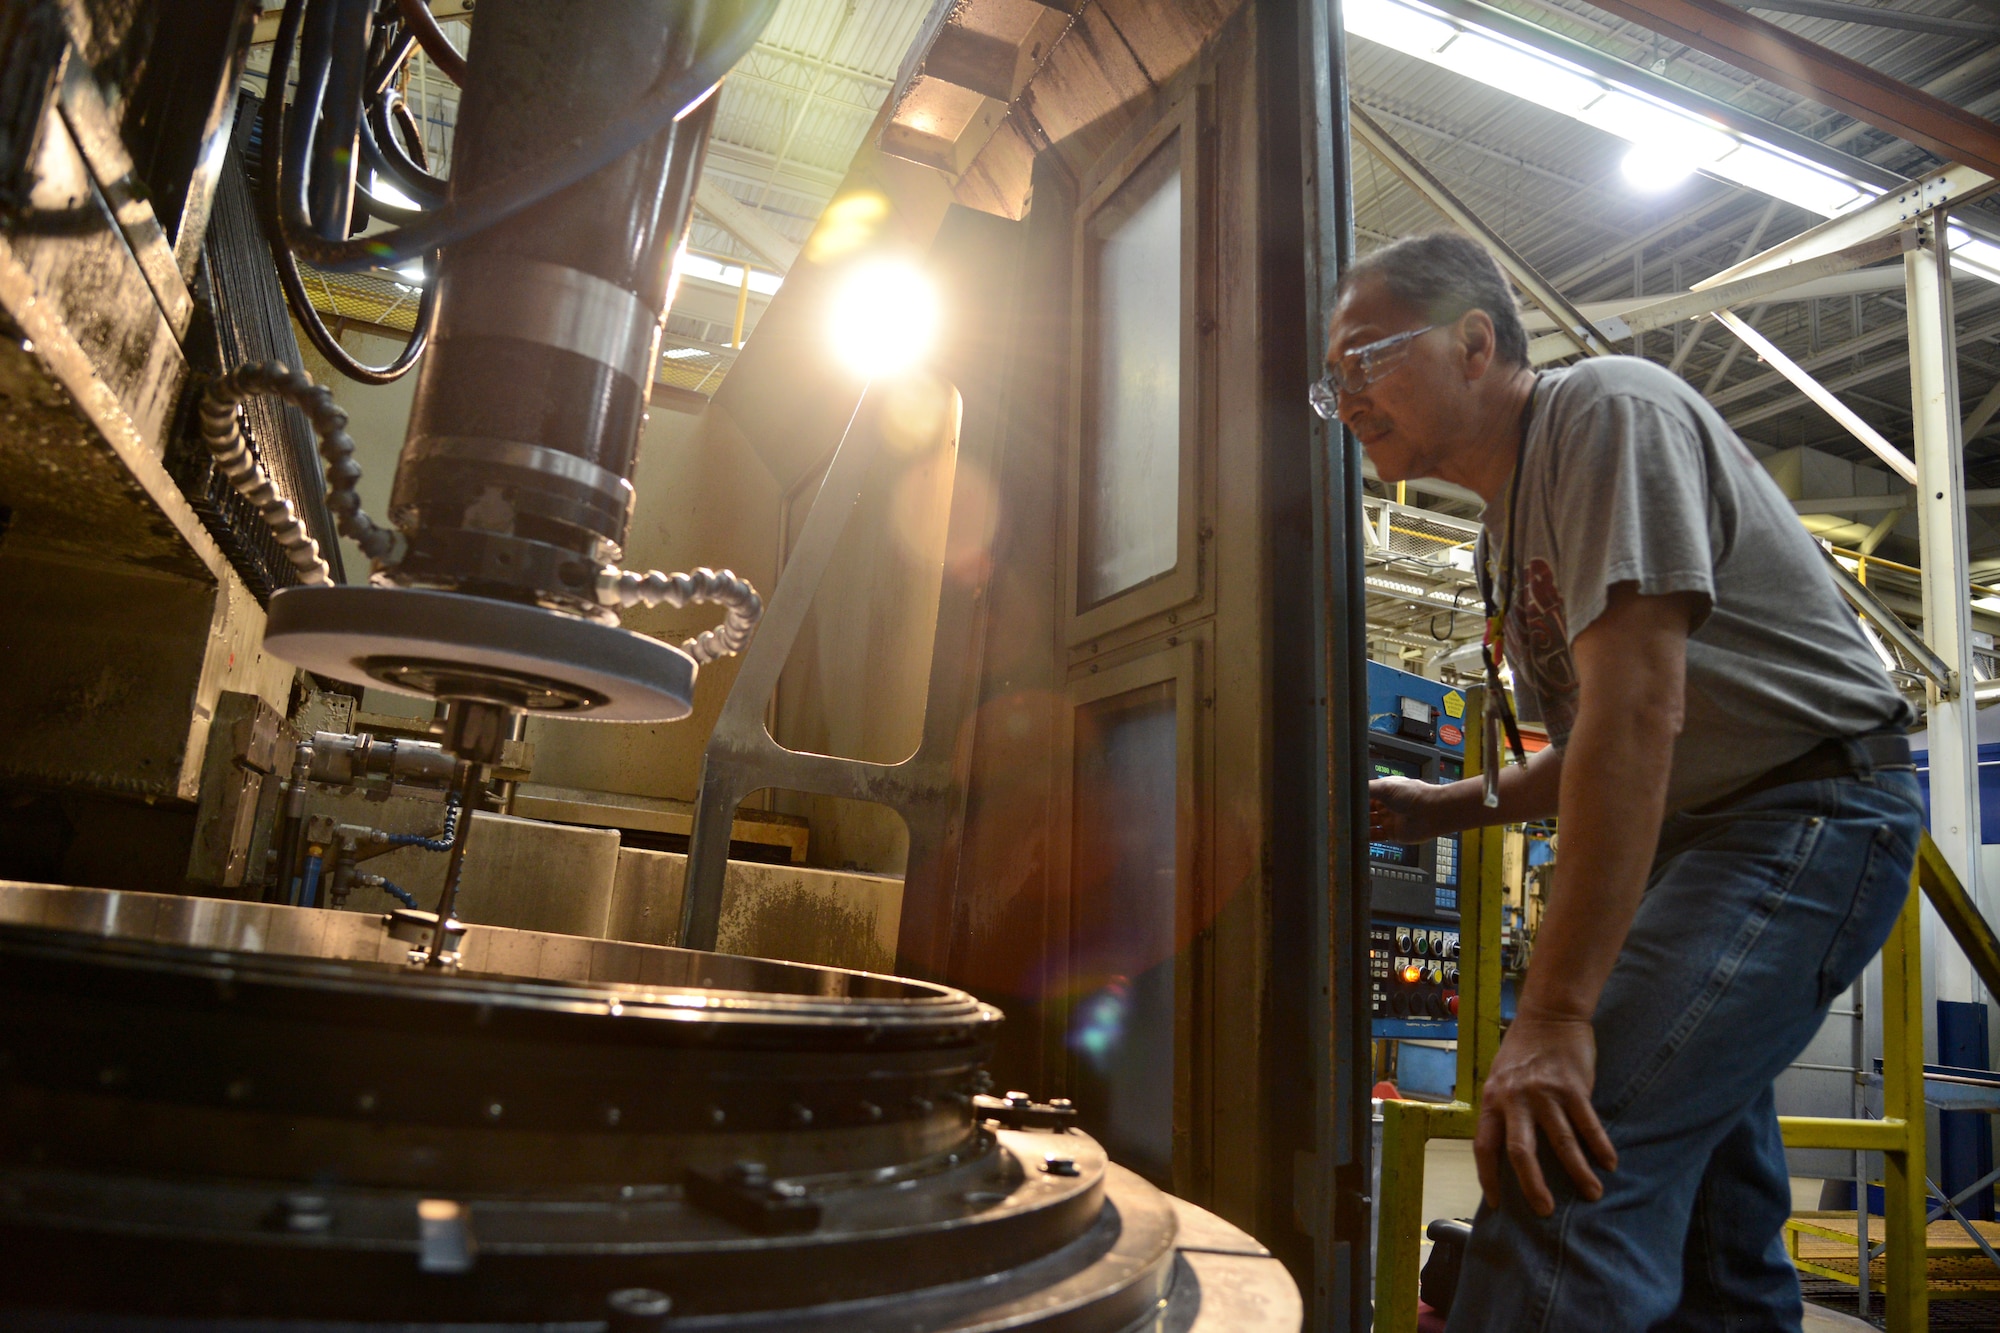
1416 730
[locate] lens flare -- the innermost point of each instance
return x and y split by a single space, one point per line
883 318
1099 1028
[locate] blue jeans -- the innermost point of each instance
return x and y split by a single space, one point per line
1755 918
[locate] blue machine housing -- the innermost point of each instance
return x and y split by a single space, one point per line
1417 730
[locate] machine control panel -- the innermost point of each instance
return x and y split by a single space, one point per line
1415 731
1413 979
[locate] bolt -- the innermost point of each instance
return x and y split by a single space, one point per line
1060 1166
637 1310
1019 1099
304 1214
494 1110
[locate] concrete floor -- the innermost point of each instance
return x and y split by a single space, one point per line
1451 1189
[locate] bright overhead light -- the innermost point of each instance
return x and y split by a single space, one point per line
1668 143
1971 255
1654 170
883 317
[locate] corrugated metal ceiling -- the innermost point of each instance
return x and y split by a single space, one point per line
1552 188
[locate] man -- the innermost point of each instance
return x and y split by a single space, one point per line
1727 764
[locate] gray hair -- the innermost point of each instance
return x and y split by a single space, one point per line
1443 276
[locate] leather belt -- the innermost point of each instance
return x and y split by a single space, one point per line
1831 758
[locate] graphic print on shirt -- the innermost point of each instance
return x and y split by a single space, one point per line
1538 649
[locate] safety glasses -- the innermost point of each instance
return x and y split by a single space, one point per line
1360 367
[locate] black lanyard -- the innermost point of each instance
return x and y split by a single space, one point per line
1499 595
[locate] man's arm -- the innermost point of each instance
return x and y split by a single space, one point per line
1631 666
1405 810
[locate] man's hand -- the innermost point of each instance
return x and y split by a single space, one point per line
1404 810
1542 1076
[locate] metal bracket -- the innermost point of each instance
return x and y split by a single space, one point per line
1017 1110
746 1195
977 259
1923 196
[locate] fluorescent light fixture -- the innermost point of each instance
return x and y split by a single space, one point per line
1669 143
1987 604
1969 254
684 353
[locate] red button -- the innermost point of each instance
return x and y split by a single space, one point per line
1451 1003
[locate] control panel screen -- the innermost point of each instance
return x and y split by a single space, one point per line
1395 766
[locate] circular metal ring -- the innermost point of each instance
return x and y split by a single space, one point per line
343 632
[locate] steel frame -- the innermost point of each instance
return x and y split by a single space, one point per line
1770 52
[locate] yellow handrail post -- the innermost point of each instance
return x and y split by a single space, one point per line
1482 858
1399 1216
1905 1199
1408 1126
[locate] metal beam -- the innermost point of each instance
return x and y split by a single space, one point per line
1898 462
1952 724
1878 614
1554 304
1843 383
1831 356
1876 17
1759 47
1981 414
1706 299
1859 282
1891 211
1872 504
747 225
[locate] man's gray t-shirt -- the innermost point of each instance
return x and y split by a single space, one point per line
1629 476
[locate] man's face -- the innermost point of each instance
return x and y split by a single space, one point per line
1422 406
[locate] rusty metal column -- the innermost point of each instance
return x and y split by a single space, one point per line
1953 725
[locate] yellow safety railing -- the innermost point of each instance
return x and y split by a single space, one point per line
1408 1126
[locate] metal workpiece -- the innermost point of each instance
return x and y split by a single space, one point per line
530 401
216 1108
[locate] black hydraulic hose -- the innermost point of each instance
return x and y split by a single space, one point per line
670 99
417 18
406 121
275 130
294 149
382 72
332 175
386 158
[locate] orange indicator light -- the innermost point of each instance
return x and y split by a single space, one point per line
1413 973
